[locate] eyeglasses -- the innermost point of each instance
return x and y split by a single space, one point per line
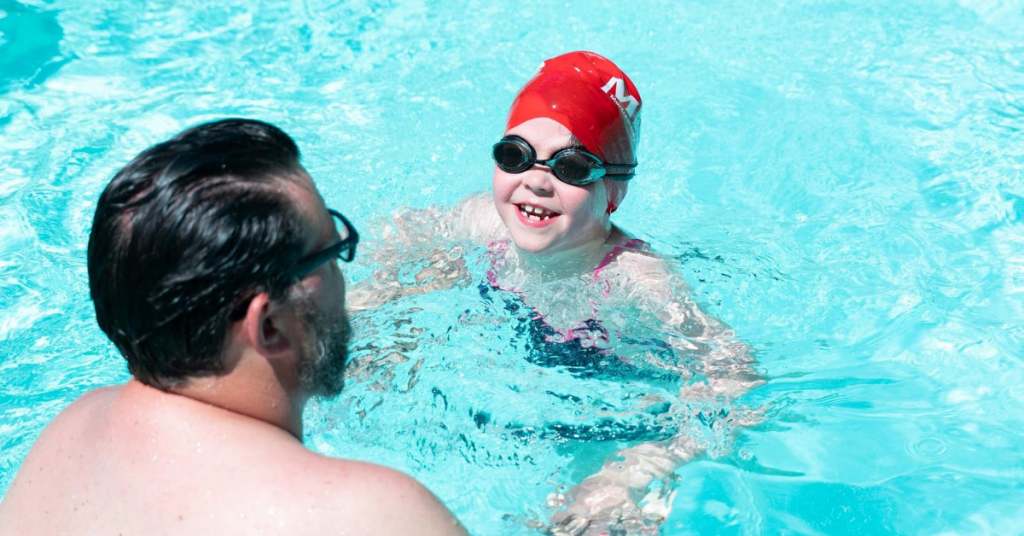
344 249
570 165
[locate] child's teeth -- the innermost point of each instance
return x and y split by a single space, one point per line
535 213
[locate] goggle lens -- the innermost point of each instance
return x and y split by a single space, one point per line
572 168
513 157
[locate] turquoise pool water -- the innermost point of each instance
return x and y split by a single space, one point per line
840 181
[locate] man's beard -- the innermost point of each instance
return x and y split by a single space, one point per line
322 366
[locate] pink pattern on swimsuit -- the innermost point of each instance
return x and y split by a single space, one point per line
498 248
635 243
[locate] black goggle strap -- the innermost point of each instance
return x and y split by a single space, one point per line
619 172
601 170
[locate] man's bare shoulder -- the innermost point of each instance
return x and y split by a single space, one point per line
77 418
187 467
42 473
372 499
90 401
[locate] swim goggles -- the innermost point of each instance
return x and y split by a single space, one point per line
570 165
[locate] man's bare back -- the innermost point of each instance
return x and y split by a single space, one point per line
136 460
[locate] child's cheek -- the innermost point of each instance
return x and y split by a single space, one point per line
584 206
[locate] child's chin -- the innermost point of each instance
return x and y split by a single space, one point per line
530 244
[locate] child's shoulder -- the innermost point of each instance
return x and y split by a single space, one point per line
476 218
638 264
623 247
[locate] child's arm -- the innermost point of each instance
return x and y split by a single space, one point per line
724 362
612 496
428 241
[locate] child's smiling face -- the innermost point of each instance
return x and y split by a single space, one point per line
542 213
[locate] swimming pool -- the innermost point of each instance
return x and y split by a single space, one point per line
839 181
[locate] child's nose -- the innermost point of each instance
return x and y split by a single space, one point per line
539 179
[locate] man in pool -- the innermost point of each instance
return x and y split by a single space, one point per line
212 266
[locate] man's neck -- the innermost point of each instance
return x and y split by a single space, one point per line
263 401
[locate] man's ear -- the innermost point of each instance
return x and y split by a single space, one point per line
264 326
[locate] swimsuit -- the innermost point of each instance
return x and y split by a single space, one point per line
584 352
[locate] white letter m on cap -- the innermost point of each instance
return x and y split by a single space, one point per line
620 95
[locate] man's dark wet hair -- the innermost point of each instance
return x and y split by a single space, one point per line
183 234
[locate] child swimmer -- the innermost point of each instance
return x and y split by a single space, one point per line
562 169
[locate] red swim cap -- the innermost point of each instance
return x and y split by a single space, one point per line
591 97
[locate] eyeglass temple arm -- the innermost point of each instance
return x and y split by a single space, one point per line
353 235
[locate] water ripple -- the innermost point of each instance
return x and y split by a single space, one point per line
927 448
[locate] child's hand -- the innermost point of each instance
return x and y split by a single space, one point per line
370 294
446 269
609 501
